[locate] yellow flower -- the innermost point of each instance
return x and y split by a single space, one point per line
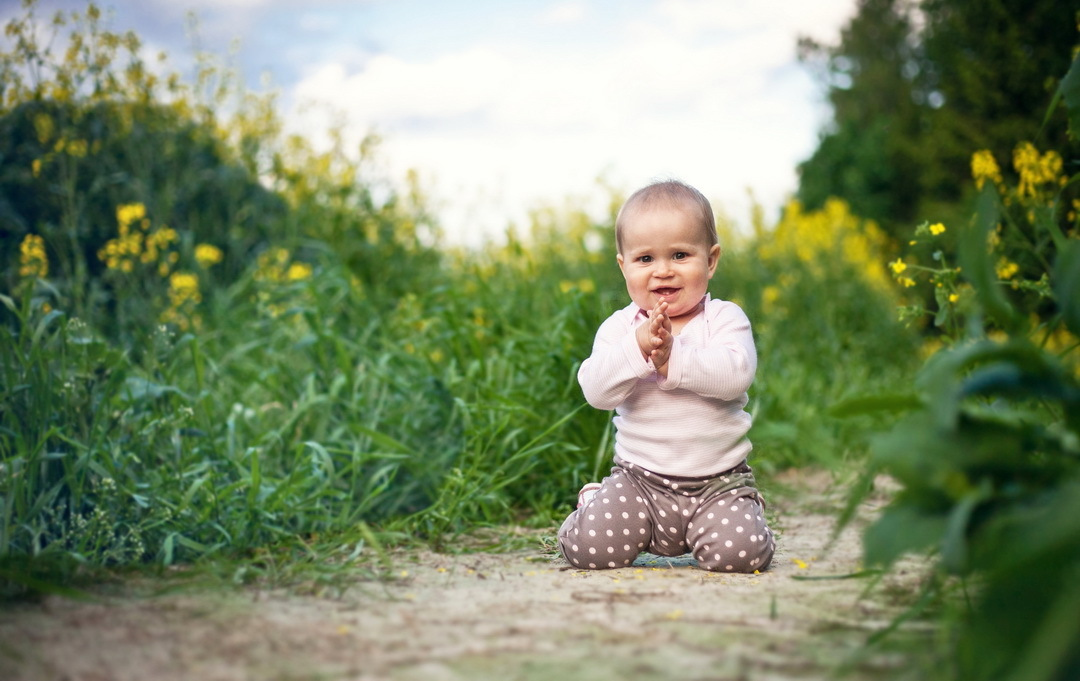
953 297
937 228
298 271
33 261
207 255
984 167
1006 269
35 167
129 213
898 266
1034 169
183 288
906 282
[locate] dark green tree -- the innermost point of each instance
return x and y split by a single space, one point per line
917 86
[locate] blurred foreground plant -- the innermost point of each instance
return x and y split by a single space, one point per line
989 454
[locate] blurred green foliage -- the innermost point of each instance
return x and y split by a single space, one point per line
988 455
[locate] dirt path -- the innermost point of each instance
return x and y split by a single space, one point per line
520 615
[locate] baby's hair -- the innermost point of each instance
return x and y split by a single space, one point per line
669 194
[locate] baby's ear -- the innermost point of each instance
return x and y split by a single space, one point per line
714 257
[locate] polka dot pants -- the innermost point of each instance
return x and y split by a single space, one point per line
719 520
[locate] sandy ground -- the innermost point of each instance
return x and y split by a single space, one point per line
518 615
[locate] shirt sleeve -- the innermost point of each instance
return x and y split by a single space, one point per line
616 364
724 367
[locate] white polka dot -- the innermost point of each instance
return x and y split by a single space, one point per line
641 514
625 515
729 567
734 508
666 481
711 516
626 530
686 511
693 500
728 543
639 500
701 530
739 528
747 516
716 556
611 549
664 542
592 549
618 485
592 517
607 501
734 491
611 564
726 479
626 562
592 565
592 533
610 533
754 562
742 554
645 473
673 530
690 525
753 538
715 535
641 545
723 521
608 516
626 547
674 507
675 485
641 531
574 547
662 514
622 499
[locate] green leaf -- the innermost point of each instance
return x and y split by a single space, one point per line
1066 278
889 403
975 260
1070 92
900 530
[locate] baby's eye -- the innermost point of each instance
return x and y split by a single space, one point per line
682 255
644 258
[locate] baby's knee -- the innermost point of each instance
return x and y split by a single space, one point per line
750 554
586 543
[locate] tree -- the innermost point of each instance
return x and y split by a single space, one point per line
918 86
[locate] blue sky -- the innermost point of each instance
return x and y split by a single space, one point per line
505 106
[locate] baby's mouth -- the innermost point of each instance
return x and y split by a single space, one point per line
666 291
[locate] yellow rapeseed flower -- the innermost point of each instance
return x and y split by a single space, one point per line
937 228
1034 169
898 266
298 271
183 288
129 213
906 282
984 167
207 255
33 261
1006 269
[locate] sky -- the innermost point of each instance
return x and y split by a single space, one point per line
503 107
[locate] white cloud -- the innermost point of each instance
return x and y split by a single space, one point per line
706 91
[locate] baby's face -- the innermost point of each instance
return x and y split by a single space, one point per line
665 257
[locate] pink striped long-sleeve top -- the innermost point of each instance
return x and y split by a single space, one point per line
693 422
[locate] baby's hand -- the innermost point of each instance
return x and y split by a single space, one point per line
655 339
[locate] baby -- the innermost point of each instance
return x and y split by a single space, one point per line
675 366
